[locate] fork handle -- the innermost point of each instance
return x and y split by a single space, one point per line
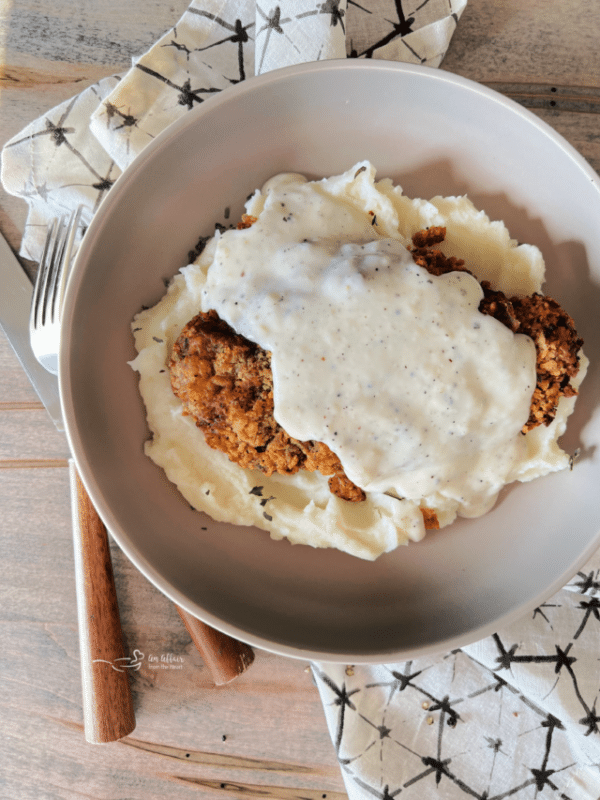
108 710
107 702
224 657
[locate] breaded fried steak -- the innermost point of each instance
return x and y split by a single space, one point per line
357 364
553 331
225 382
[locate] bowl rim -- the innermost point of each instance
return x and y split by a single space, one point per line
80 457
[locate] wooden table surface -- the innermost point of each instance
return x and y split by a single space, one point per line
263 735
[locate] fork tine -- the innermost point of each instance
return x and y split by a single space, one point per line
57 265
53 270
63 254
41 282
46 305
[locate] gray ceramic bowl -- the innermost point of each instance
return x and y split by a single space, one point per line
433 133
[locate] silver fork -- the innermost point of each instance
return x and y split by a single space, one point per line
48 292
107 700
108 709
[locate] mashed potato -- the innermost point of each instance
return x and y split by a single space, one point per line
310 282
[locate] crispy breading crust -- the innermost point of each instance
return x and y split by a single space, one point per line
225 381
430 518
557 343
247 221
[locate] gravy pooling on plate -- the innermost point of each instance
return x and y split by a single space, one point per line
396 371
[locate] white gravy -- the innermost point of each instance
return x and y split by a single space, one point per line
416 391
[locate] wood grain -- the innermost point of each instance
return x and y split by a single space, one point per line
226 658
265 729
264 734
107 700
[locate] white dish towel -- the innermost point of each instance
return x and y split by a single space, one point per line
75 152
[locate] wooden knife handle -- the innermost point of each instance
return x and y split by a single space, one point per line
225 658
107 701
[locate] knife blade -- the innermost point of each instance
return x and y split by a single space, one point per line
15 303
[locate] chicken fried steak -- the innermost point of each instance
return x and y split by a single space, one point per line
225 382
553 331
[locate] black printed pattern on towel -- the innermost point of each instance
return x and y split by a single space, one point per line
513 716
441 745
395 33
58 131
227 49
73 154
288 29
56 164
